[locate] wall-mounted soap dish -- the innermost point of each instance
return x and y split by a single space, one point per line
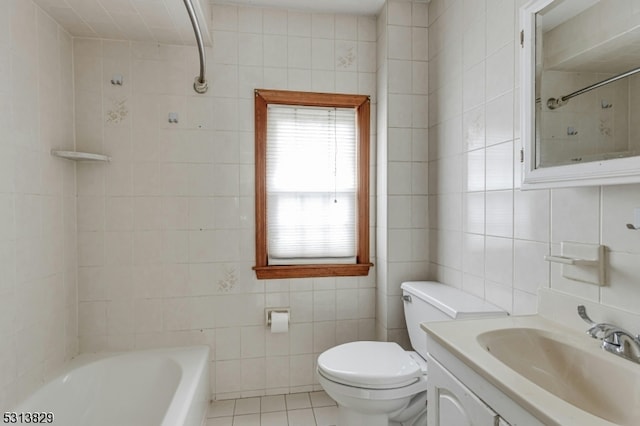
80 156
581 262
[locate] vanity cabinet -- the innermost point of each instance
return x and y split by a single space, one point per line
459 396
451 403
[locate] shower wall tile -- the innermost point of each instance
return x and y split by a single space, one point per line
38 246
508 231
165 231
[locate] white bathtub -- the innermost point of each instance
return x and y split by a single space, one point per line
162 387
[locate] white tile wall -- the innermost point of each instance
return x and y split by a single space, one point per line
402 209
38 323
506 232
166 229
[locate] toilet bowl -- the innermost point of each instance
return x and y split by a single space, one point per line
381 384
374 383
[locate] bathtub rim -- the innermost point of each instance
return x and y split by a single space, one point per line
193 361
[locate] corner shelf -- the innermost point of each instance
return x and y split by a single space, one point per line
80 156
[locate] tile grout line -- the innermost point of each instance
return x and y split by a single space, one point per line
288 408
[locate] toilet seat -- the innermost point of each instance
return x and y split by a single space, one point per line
370 365
419 360
419 385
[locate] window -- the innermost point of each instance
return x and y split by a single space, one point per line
312 184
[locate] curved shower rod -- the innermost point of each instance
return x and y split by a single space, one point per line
553 103
200 84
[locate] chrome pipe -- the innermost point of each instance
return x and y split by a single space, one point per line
553 103
200 84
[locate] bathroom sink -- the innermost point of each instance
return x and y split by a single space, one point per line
578 373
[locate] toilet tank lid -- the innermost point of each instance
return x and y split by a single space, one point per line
452 301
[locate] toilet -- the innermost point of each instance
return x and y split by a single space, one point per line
379 383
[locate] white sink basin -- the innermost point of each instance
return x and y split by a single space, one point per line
596 384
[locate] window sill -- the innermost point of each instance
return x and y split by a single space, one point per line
309 271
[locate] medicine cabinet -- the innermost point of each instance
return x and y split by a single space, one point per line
580 80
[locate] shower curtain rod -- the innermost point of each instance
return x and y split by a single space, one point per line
200 84
553 103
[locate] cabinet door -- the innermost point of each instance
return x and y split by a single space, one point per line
451 403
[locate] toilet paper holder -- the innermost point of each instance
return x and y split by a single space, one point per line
269 311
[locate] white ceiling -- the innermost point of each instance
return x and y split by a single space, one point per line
360 7
163 21
167 21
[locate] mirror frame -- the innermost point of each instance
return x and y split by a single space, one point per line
603 172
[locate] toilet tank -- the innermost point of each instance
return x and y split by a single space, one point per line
428 301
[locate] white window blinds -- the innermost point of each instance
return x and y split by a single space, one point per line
311 185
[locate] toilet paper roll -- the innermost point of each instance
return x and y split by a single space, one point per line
279 322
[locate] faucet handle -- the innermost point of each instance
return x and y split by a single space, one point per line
582 312
596 328
604 328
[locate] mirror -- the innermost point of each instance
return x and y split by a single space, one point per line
581 92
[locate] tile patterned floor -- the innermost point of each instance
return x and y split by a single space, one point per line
298 409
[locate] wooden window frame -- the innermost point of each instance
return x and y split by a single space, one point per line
361 103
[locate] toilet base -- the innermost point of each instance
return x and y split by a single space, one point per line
415 414
349 417
419 420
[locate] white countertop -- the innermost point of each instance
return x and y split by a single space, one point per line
460 338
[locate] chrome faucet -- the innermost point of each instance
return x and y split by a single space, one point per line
622 343
614 339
